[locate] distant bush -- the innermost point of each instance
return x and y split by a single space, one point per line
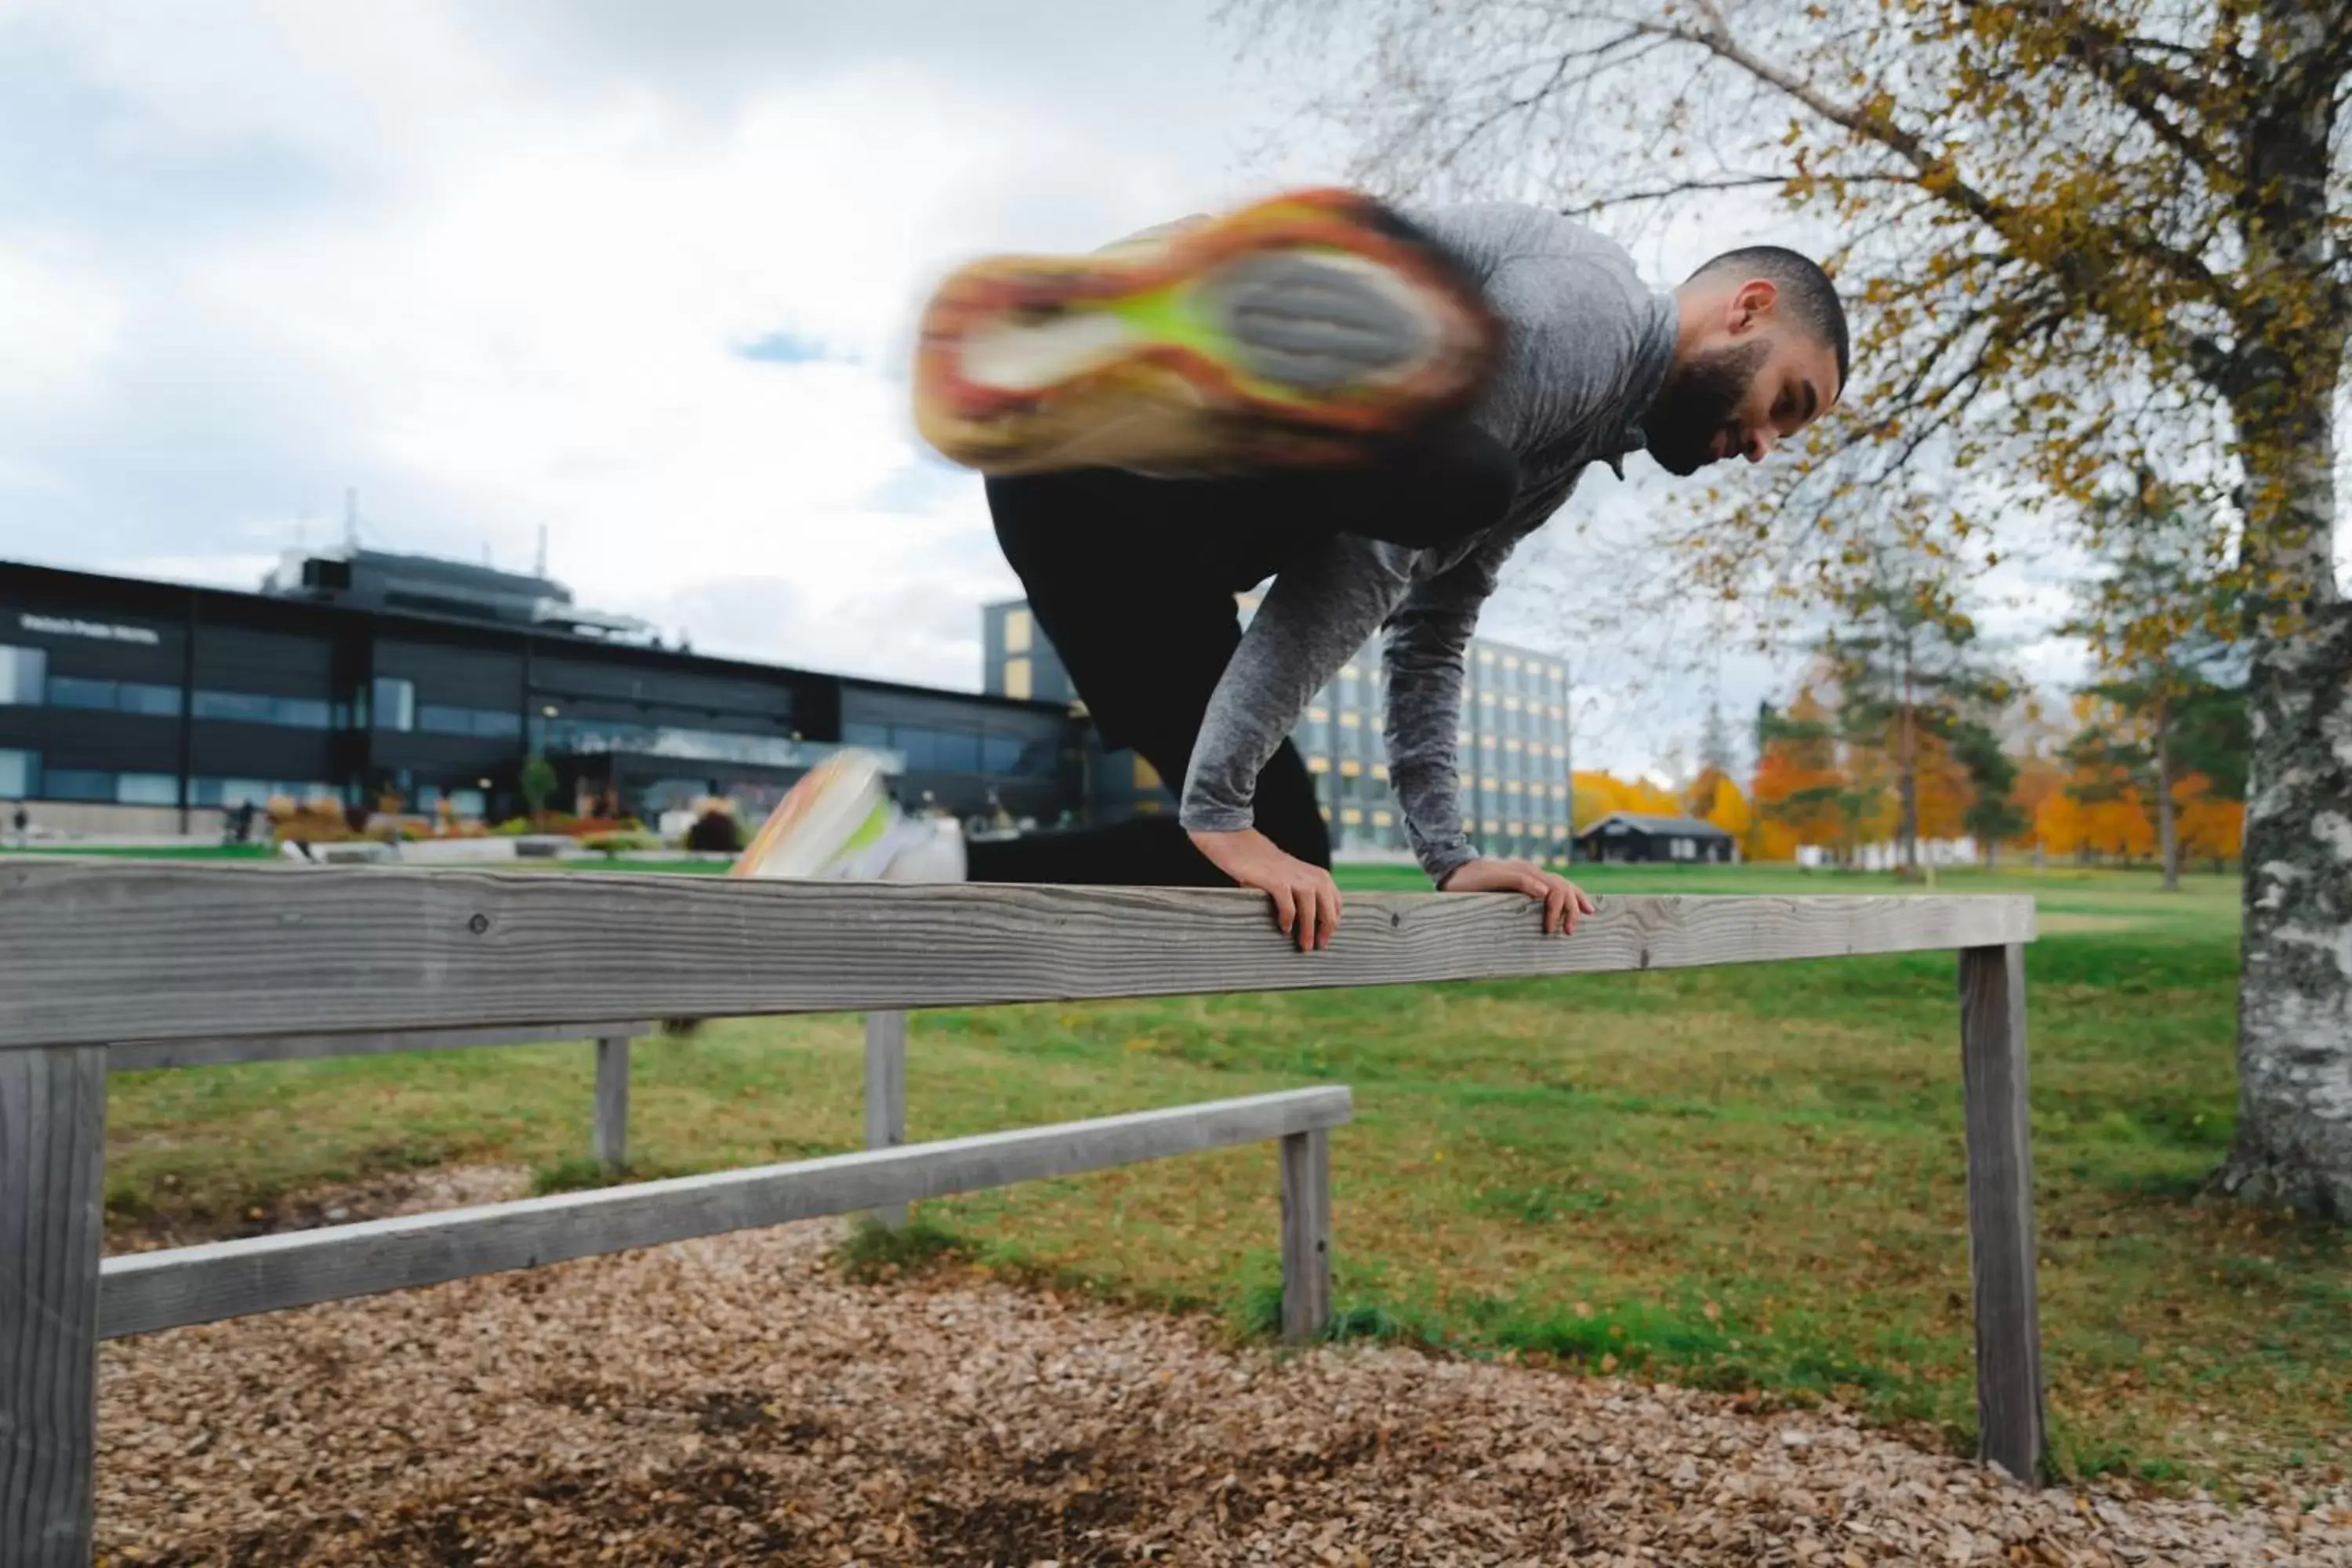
715 831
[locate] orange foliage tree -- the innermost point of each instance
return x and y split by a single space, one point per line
1798 781
1715 798
2039 781
2210 827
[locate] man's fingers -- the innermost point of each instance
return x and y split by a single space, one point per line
1284 911
1558 914
1585 900
1331 894
1310 914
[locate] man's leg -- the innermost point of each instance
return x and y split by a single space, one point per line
1132 580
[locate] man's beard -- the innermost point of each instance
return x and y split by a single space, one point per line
1696 402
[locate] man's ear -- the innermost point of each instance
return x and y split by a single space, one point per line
1751 306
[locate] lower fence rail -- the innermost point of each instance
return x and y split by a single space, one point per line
143 1291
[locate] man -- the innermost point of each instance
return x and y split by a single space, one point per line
1132 556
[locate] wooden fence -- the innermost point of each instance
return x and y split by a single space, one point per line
134 962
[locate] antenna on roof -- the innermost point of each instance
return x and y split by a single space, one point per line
352 516
543 551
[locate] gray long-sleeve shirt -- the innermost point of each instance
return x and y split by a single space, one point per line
1589 344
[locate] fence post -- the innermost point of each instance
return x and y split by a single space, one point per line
885 1096
52 1186
1306 1234
613 1103
2000 1210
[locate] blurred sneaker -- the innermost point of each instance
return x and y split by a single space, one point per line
839 824
1300 330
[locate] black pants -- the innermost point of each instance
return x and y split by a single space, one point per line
1133 580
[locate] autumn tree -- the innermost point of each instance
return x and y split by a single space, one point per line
2069 232
2158 617
2038 779
1909 672
1591 796
1714 797
1798 782
2134 745
2212 827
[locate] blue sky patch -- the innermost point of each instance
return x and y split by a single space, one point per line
787 348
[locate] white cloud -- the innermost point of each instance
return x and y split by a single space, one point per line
60 322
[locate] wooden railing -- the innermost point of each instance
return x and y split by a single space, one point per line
110 961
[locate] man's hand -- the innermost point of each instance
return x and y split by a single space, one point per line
1306 899
1564 901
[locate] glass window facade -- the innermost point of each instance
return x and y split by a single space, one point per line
233 792
395 703
142 697
147 789
252 708
24 674
929 749
486 723
77 784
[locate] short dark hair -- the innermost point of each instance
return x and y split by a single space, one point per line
1807 296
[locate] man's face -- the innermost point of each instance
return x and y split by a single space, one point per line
1740 394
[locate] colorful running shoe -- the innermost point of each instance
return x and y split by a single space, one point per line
1300 330
839 824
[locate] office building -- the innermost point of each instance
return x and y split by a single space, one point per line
140 707
1512 749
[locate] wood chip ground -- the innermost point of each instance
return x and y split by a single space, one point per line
735 1401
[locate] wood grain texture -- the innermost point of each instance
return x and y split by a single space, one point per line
298 1048
612 1133
2002 1244
52 1182
230 950
1306 1235
143 1291
885 1095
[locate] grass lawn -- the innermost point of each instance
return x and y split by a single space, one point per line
1747 1178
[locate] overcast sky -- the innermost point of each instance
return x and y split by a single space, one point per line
641 274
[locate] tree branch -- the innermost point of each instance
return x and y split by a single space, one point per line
2074 271
1551 84
1679 188
2113 58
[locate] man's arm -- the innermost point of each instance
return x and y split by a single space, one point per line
1423 657
1319 612
1427 638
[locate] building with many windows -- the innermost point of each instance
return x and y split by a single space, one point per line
1513 747
132 706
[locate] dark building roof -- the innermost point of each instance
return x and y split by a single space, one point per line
67 587
387 581
1674 826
